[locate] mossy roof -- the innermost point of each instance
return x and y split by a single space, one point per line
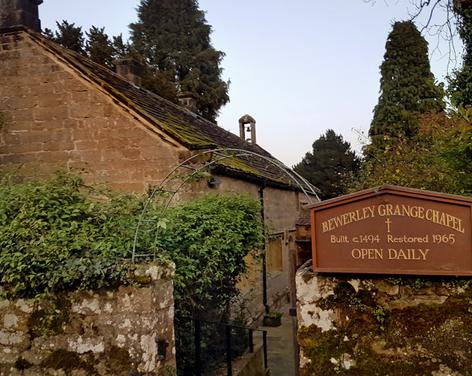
184 126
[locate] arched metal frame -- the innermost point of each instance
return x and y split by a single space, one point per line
217 155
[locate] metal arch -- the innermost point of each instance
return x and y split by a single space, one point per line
222 154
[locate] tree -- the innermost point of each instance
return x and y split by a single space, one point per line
407 86
70 36
438 158
330 166
120 48
174 38
460 86
99 47
437 17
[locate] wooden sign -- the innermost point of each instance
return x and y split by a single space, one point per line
393 230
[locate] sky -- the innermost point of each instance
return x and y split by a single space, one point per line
298 67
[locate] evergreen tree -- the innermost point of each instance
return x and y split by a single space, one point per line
460 86
70 36
120 48
48 33
407 86
174 38
160 82
99 47
331 166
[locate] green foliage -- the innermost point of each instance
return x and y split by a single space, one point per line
99 47
59 235
407 87
208 240
96 44
439 158
331 166
68 35
54 238
120 48
174 38
160 82
460 85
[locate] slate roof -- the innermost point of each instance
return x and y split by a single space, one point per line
188 128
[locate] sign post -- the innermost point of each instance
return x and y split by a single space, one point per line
393 230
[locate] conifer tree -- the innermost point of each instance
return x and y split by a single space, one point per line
99 47
407 86
330 166
120 48
174 38
460 87
70 36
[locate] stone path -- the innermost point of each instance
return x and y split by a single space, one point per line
281 351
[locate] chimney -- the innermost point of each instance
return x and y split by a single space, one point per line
20 13
188 100
130 69
247 124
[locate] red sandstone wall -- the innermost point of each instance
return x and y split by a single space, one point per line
54 119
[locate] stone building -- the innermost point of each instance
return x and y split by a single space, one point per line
61 111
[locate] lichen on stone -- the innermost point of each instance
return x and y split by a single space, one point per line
390 327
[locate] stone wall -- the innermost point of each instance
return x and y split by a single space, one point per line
384 326
127 331
54 118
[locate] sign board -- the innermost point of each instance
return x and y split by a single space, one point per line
393 230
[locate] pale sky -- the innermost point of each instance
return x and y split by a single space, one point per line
298 67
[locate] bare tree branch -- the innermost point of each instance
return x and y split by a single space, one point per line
437 19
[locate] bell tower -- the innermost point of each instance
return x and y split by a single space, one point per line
247 124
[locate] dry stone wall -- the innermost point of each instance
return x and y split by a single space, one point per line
127 331
384 326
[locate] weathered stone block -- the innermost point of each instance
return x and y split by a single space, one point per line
404 326
107 332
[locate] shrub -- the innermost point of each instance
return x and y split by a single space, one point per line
55 236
